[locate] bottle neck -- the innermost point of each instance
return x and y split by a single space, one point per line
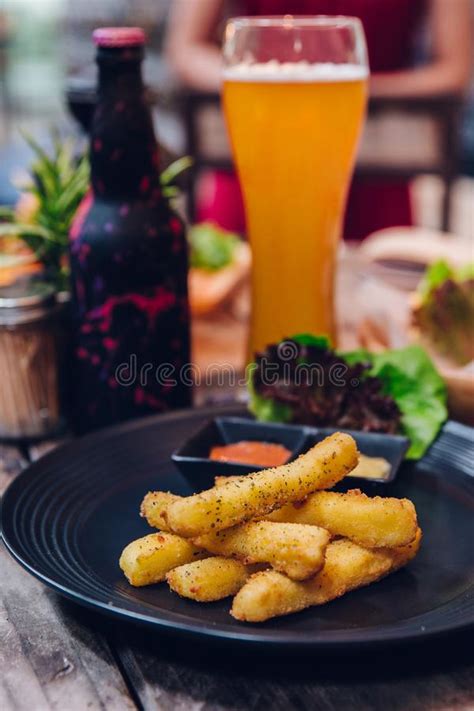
123 152
120 74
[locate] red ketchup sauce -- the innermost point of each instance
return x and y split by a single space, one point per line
262 454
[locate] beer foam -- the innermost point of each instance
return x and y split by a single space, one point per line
283 72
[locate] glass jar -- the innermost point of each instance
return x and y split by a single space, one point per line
29 357
373 302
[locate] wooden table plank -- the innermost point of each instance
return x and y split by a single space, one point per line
11 463
390 681
19 687
49 659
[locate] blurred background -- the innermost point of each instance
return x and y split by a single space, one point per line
417 144
46 56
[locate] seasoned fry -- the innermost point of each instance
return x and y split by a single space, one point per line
148 559
372 522
154 507
280 517
209 579
258 494
222 480
348 566
292 548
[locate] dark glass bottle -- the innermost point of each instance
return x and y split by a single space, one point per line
128 257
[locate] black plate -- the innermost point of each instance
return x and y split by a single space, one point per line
67 518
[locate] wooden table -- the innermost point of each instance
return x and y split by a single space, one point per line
56 655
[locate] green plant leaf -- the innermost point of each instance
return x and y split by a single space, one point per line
434 276
169 174
170 192
7 213
59 182
211 247
20 230
43 164
71 195
361 355
465 272
308 339
265 409
410 377
65 162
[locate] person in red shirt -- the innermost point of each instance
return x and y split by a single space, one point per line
391 29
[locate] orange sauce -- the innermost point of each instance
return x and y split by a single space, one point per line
262 454
371 468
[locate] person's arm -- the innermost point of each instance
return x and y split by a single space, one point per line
449 70
190 49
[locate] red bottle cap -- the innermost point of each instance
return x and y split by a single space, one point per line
118 36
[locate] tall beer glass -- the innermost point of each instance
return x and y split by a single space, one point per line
294 93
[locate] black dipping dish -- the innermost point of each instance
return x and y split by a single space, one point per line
373 444
192 458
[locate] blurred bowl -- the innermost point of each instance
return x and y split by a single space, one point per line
412 249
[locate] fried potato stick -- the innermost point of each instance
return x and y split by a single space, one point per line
148 559
258 494
154 507
348 566
209 579
372 522
222 480
292 548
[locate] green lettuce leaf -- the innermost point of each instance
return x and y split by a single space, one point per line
210 247
435 275
439 272
465 272
308 339
444 313
361 355
265 409
409 376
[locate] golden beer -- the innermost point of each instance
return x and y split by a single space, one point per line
294 132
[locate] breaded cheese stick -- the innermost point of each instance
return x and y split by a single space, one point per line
148 559
372 522
154 507
209 579
222 480
292 548
348 566
257 494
